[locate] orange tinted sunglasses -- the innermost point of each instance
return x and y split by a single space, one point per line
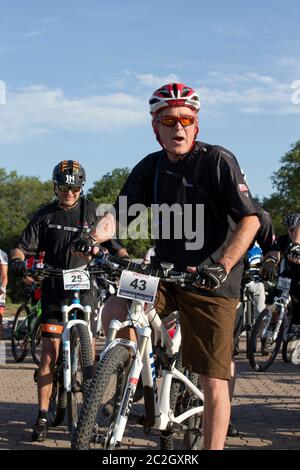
170 121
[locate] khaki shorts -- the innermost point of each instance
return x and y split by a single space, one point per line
207 325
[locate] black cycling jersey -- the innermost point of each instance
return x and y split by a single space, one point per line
53 230
281 244
208 175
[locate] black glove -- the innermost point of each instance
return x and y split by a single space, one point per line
84 244
294 252
18 267
211 277
268 269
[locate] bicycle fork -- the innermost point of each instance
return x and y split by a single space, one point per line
66 349
275 332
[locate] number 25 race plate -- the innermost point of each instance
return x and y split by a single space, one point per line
138 286
76 279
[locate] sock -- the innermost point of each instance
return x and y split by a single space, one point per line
43 414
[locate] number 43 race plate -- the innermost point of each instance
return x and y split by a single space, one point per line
138 286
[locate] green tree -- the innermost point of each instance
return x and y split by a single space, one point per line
106 190
286 181
20 198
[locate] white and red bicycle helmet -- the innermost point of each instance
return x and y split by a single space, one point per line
174 94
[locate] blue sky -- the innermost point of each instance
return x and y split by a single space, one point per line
78 76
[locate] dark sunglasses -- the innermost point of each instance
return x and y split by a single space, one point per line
65 189
170 121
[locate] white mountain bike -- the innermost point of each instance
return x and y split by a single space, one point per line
272 329
74 367
176 406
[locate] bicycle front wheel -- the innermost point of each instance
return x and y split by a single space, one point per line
81 372
103 400
181 400
263 347
21 332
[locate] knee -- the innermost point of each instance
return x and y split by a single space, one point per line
114 309
213 387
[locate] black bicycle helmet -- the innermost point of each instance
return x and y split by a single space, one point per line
292 220
69 172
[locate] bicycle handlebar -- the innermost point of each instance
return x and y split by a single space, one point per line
165 272
51 271
112 264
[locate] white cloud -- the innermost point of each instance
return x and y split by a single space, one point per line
38 110
153 81
289 61
248 93
31 34
238 77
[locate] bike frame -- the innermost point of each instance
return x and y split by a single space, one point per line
143 363
108 288
280 305
35 313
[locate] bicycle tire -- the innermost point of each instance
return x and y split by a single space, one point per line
249 324
57 404
20 336
181 399
36 338
114 365
82 364
254 355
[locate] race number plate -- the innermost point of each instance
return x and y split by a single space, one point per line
76 279
138 286
284 283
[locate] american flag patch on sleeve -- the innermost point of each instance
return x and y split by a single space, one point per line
243 188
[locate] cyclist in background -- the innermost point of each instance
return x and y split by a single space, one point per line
58 229
288 246
257 288
3 285
261 251
31 285
294 247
